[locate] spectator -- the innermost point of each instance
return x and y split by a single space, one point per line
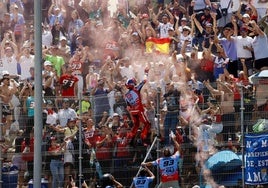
260 48
228 44
226 11
66 112
74 27
101 101
69 84
18 22
109 181
168 178
167 22
5 24
225 97
55 15
9 52
142 180
46 36
56 163
26 61
57 61
136 108
64 49
244 49
49 79
172 100
104 147
8 89
200 5
77 64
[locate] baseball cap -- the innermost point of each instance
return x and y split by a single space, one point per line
170 29
186 28
115 114
47 63
208 24
207 7
246 16
71 119
184 19
65 100
135 34
62 38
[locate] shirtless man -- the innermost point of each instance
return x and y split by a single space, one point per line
225 97
7 89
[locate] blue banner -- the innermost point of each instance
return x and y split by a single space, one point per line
256 159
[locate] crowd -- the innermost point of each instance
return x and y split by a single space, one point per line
147 69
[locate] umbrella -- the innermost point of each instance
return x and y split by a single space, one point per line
259 77
260 80
225 167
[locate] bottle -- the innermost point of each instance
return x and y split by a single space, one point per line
230 143
92 157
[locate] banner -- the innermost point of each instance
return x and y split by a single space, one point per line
157 45
256 159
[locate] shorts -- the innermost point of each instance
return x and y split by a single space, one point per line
260 63
6 110
173 184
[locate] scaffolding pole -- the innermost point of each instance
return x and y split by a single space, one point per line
1 138
38 95
145 158
242 132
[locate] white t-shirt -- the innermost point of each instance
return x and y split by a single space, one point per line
127 72
9 64
240 42
163 29
25 64
260 46
47 38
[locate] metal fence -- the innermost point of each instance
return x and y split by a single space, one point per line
126 167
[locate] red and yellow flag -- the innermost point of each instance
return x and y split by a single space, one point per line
157 45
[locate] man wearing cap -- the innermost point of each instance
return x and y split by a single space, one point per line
207 31
49 78
55 15
65 113
205 17
186 35
168 165
167 22
229 46
52 55
64 49
244 49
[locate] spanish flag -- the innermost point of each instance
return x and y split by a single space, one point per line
160 45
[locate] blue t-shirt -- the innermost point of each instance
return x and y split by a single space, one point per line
142 182
30 106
